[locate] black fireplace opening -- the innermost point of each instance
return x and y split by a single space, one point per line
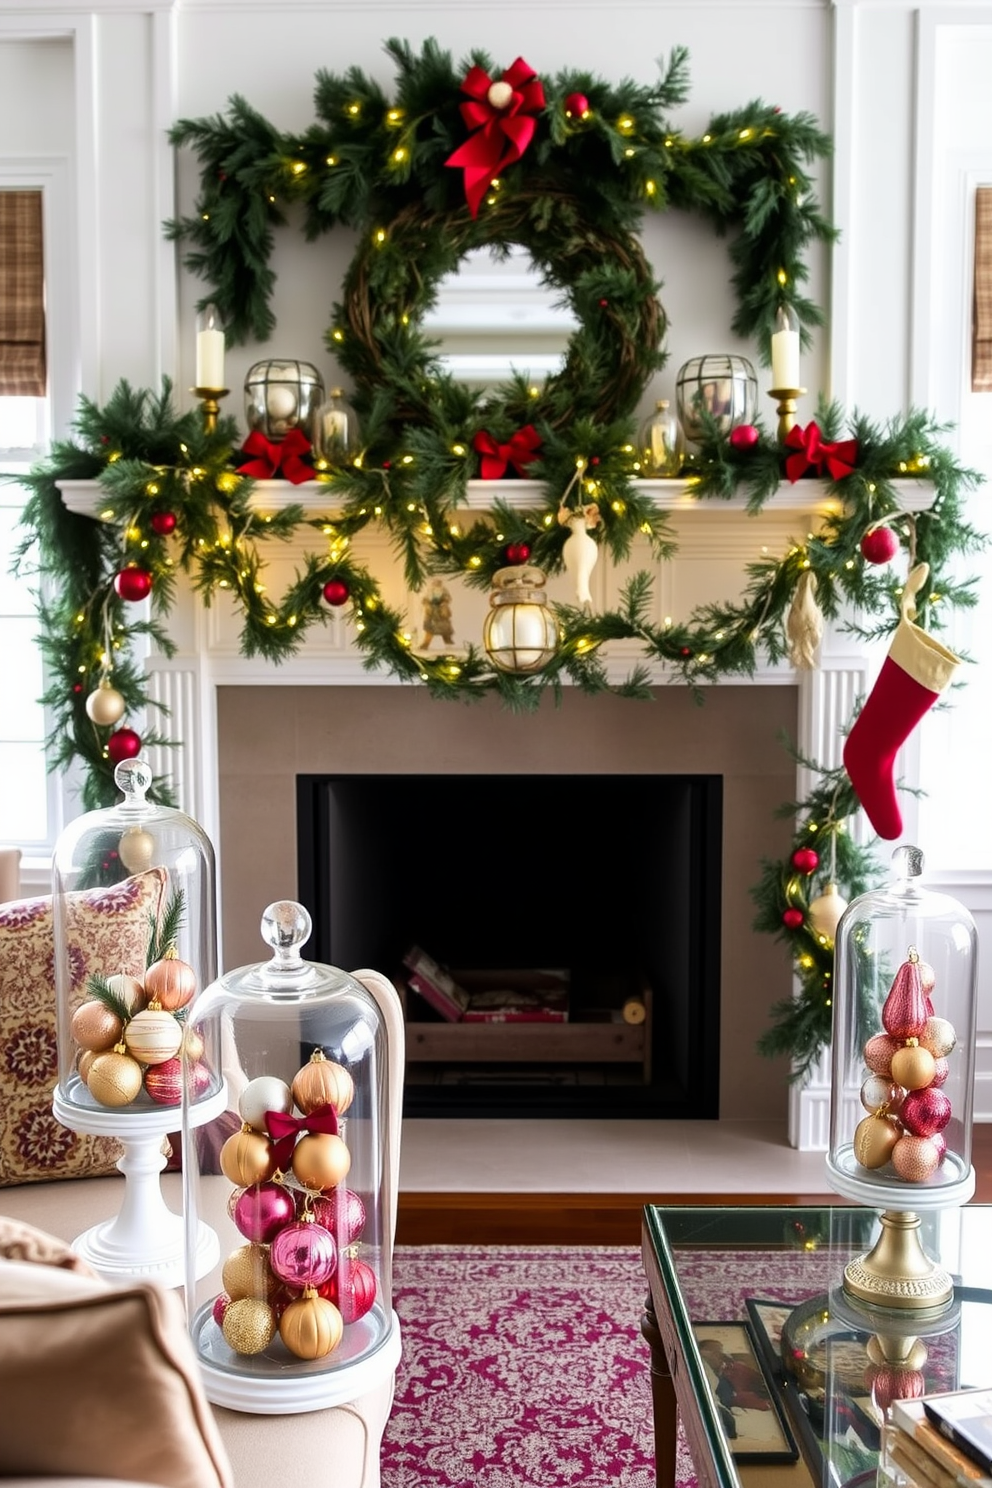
607 885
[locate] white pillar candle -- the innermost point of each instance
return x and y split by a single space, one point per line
785 359
210 358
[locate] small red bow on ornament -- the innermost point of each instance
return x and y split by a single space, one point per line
519 452
278 457
813 452
501 114
285 1129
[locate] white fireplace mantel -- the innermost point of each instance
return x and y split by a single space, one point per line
716 539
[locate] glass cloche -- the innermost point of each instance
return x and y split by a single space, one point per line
902 1084
297 1179
133 907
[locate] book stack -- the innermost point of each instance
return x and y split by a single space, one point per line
942 1441
488 996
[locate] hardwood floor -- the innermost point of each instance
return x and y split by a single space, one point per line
590 1219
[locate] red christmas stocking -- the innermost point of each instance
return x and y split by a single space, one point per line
913 675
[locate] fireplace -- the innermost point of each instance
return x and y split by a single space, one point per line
608 883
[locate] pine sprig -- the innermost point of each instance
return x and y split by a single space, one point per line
164 933
100 990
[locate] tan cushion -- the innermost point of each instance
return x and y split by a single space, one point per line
107 931
98 1380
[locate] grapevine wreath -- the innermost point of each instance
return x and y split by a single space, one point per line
458 159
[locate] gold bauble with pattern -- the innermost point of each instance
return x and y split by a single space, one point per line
874 1139
247 1157
114 1078
247 1273
153 1035
249 1325
170 982
323 1082
311 1327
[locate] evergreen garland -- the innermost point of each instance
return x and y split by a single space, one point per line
575 200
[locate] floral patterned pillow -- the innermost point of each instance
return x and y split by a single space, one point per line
107 931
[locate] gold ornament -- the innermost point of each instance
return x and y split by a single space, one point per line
170 982
874 1139
114 1077
85 1063
153 1035
136 849
825 911
247 1157
94 1026
249 1325
321 1160
913 1067
192 1045
311 1327
105 706
322 1082
247 1273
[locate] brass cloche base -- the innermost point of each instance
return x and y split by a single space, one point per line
897 1273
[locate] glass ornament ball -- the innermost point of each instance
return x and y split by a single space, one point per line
722 387
105 706
336 592
263 1094
520 633
133 584
122 745
262 1210
660 443
303 1255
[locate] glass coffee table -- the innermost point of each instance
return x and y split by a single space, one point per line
777 1376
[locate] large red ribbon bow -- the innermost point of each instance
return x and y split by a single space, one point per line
274 457
285 1129
519 451
812 451
501 115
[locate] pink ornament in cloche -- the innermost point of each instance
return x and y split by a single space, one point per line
221 1303
878 1052
925 1112
343 1213
941 1070
915 1158
904 1012
303 1255
263 1210
352 1289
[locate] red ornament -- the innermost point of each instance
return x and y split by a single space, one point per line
743 437
904 1012
603 304
133 584
793 919
336 591
517 552
577 106
685 651
879 544
164 1082
163 522
352 1290
122 745
925 1112
805 860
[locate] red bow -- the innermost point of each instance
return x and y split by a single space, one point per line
285 1129
812 450
278 456
519 452
502 130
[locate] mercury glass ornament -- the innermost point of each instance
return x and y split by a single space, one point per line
335 437
520 633
723 386
660 445
282 395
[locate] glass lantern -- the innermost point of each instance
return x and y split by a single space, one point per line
661 442
135 943
296 1180
520 633
902 1084
282 395
725 387
335 431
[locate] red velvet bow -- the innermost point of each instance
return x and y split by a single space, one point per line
502 134
813 452
285 1129
519 452
277 457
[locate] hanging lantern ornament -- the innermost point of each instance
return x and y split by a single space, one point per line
519 632
825 911
105 706
280 396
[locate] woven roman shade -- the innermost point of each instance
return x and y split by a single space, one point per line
981 344
22 296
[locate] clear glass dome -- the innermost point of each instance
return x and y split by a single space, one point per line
135 942
294 1179
902 1085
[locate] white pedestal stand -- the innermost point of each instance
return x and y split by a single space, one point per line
146 1239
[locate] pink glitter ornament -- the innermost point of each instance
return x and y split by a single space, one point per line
878 1052
343 1213
352 1289
303 1254
915 1158
904 1013
925 1112
221 1303
263 1210
164 1082
941 1071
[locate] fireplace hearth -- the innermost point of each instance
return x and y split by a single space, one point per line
612 881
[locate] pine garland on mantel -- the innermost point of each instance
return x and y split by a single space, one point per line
595 160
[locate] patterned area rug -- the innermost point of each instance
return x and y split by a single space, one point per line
525 1368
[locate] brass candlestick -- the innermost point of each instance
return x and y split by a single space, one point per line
786 399
210 398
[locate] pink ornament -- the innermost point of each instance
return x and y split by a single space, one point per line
878 1052
221 1303
904 1013
886 1383
940 1073
915 1158
879 545
352 1289
303 1254
940 1142
743 437
263 1210
164 1082
925 1112
343 1213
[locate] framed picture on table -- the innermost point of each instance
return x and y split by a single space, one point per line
768 1319
747 1401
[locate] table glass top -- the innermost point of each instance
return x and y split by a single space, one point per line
746 1286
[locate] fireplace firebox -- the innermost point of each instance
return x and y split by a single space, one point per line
608 885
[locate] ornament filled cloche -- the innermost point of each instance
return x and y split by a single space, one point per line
139 878
903 1067
297 1179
